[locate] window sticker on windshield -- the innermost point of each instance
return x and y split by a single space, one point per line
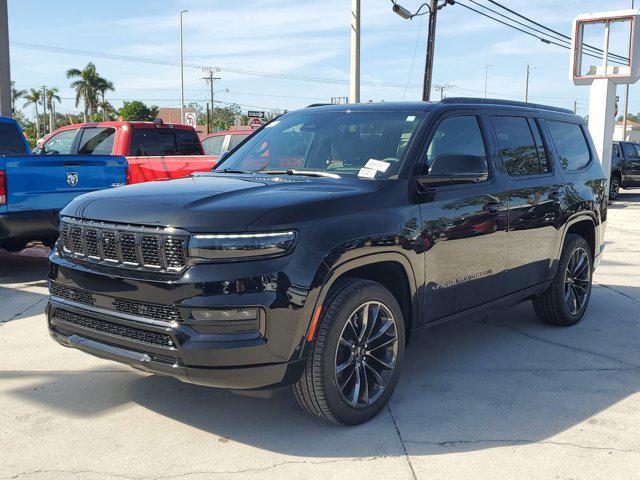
378 165
410 118
367 173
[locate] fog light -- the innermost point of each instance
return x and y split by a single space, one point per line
208 315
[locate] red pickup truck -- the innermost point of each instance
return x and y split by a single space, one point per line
154 150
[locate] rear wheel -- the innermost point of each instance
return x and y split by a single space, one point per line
354 363
566 300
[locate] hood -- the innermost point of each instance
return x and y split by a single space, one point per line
210 202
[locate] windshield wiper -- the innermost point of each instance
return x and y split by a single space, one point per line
231 170
304 173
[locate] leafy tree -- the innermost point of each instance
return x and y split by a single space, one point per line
137 110
34 97
52 97
16 95
89 86
224 117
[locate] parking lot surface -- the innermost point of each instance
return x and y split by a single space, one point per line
503 397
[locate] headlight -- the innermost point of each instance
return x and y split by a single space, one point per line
241 246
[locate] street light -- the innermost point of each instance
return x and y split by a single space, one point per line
432 7
486 78
182 12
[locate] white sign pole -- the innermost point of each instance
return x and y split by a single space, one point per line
602 104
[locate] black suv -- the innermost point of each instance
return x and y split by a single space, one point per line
625 167
315 248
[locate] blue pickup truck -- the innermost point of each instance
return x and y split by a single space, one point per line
34 188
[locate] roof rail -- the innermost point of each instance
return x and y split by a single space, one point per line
318 105
512 103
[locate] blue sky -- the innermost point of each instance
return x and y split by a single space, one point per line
309 38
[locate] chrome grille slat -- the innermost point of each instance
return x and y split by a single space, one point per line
127 246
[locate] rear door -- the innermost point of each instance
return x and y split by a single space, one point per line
633 167
162 152
535 195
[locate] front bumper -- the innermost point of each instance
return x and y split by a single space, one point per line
91 320
29 225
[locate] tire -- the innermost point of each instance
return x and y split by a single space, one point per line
318 391
556 305
614 187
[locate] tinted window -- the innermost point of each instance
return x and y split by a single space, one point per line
60 143
213 145
188 142
153 142
457 146
616 150
236 139
571 144
339 142
628 150
96 141
11 140
518 148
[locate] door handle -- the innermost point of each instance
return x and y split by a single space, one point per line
492 207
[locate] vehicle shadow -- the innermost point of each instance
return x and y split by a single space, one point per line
625 196
23 283
506 379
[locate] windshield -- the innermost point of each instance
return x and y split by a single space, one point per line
342 143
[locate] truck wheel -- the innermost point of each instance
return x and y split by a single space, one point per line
354 362
566 300
614 187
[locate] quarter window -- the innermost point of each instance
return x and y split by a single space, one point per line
213 145
457 146
629 150
521 153
571 144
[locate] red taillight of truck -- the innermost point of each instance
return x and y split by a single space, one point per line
3 187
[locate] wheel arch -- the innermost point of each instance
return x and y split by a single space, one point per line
391 269
583 224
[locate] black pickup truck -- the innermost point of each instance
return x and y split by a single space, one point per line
625 167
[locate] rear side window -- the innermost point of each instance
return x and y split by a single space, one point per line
96 141
571 144
11 141
188 142
213 145
457 146
236 139
629 151
146 142
521 150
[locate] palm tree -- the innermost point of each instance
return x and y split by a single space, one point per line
16 95
103 87
88 86
33 98
52 98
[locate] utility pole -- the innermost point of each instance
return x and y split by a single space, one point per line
211 71
486 78
354 73
52 115
575 106
626 94
5 73
431 39
44 110
526 83
181 70
208 120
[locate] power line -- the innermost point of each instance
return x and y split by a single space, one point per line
543 39
563 37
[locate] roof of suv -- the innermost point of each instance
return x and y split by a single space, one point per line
452 101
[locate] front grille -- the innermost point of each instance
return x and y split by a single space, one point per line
115 329
148 310
143 248
73 294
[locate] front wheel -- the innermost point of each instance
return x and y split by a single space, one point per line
614 188
566 300
354 362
